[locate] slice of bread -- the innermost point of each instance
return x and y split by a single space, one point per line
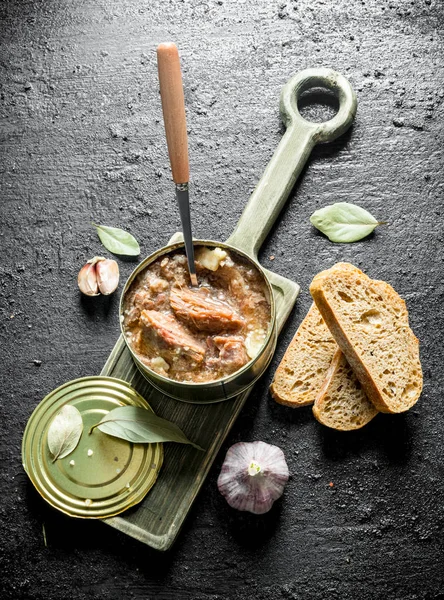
302 369
341 402
369 322
314 369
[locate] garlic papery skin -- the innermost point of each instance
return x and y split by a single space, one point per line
87 279
107 272
99 275
253 476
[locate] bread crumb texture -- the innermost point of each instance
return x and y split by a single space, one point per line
302 370
342 403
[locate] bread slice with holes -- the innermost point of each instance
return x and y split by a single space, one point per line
303 367
314 370
369 322
341 403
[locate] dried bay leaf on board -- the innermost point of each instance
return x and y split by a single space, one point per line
141 426
65 432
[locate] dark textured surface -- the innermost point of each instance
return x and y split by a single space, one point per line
82 139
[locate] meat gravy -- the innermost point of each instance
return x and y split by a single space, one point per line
197 334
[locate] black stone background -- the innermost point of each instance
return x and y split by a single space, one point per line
83 139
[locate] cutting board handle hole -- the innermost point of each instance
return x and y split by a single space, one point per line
318 104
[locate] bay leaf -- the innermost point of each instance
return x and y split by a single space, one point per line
344 222
141 426
117 240
65 432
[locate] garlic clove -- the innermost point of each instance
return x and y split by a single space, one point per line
99 275
107 272
253 476
87 280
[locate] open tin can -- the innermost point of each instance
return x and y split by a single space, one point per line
228 386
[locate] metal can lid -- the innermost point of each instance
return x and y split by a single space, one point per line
104 475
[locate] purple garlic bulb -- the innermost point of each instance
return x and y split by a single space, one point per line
253 476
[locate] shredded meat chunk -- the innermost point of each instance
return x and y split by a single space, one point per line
231 351
172 334
247 296
201 312
143 301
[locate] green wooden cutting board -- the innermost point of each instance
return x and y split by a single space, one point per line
157 520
